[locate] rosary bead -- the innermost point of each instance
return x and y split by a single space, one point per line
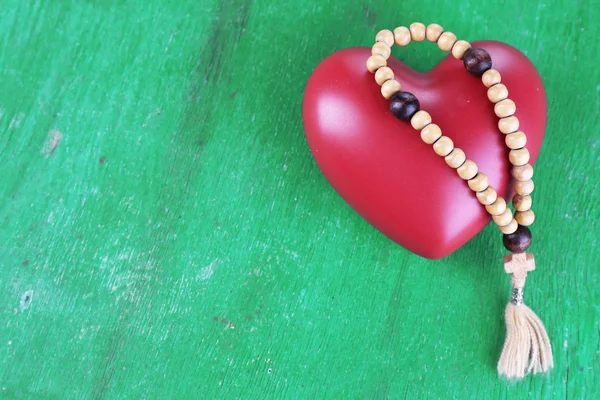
390 87
497 207
519 157
460 48
417 31
431 133
446 41
525 218
404 105
524 187
383 74
386 36
443 146
519 241
515 140
522 203
433 32
510 228
479 182
375 62
468 170
505 108
497 93
487 196
420 120
491 77
523 172
477 61
381 49
456 158
508 124
503 219
402 36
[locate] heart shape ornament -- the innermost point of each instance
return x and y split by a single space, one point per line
379 164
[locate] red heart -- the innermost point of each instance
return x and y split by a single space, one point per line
379 164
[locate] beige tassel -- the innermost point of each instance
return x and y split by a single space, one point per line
527 346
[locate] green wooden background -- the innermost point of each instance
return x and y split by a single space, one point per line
165 232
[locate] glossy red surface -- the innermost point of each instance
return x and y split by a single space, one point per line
379 164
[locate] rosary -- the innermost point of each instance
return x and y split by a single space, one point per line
527 347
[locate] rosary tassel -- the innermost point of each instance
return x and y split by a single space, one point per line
527 346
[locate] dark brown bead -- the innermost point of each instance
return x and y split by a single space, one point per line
519 241
404 105
477 61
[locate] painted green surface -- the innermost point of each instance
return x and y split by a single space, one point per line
165 233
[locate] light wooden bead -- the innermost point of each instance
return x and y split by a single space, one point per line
381 49
431 133
497 93
386 36
468 170
402 36
505 108
479 182
525 218
504 218
460 48
519 156
417 31
456 158
510 228
389 88
443 146
497 207
420 120
488 196
523 172
508 124
383 74
524 187
522 203
375 62
491 77
515 140
434 32
446 41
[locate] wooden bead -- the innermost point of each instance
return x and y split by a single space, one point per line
383 74
525 218
431 133
505 108
510 228
515 140
446 41
518 241
523 172
477 61
497 93
521 203
479 182
497 207
386 36
389 88
519 156
404 105
433 32
491 77
375 62
524 187
503 219
443 146
460 48
468 170
456 158
417 31
508 124
488 196
402 36
381 49
420 120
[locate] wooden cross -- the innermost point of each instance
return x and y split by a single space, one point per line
519 265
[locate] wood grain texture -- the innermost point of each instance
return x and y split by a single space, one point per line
165 232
